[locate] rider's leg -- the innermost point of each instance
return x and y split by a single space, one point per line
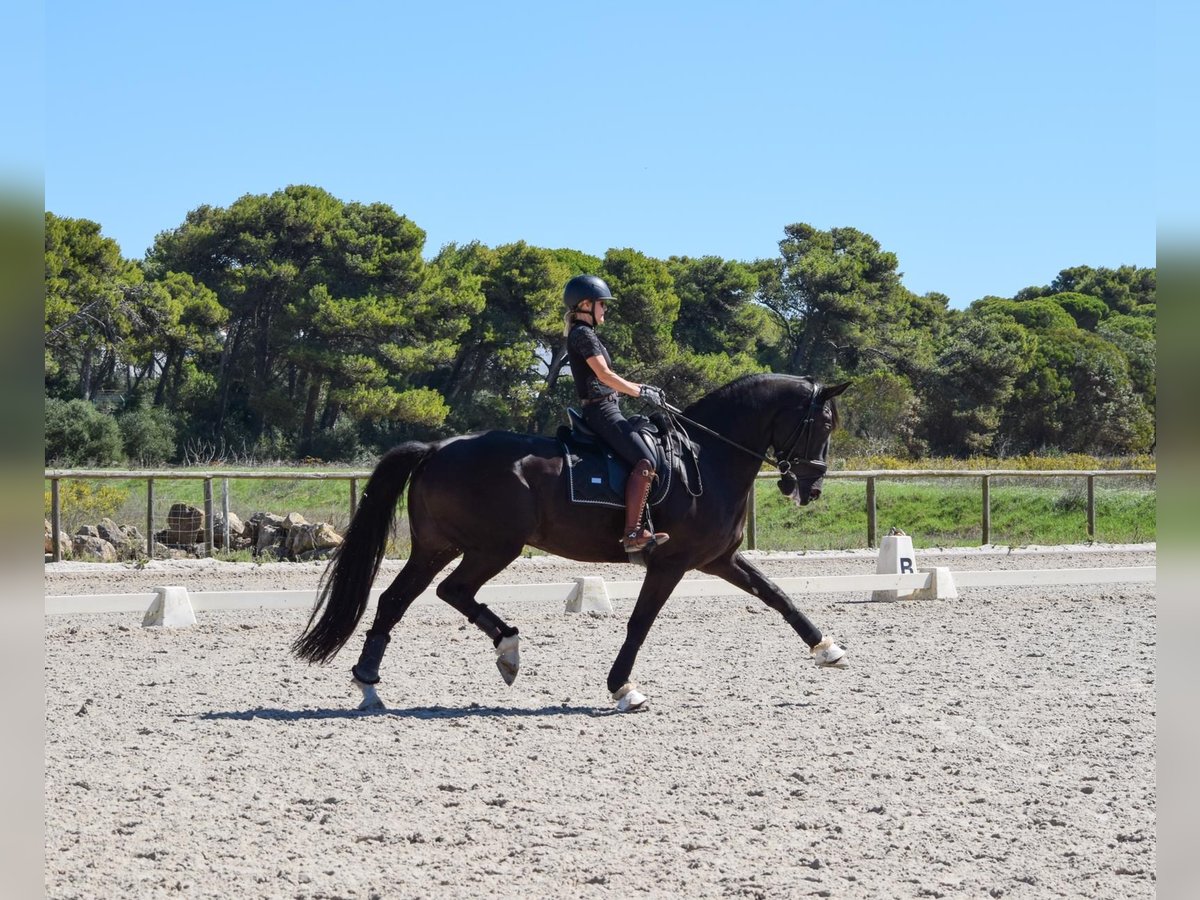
635 537
606 420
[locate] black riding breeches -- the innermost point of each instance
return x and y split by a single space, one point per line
614 429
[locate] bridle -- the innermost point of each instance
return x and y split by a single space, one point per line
788 460
813 462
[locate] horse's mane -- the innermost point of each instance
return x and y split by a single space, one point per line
744 389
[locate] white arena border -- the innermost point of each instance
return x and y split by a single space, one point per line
207 601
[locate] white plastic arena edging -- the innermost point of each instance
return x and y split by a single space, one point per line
208 601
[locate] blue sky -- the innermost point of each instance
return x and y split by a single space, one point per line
987 145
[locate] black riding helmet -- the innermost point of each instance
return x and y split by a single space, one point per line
586 287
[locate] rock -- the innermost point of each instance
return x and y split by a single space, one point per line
313 555
185 524
305 538
236 530
64 542
88 531
237 527
94 548
326 538
275 521
294 519
118 536
256 523
268 536
111 531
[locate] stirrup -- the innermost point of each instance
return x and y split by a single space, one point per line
642 539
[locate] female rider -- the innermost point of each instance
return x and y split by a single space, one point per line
586 298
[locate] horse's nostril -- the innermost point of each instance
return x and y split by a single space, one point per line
814 493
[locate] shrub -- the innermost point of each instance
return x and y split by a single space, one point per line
148 434
337 444
78 434
85 503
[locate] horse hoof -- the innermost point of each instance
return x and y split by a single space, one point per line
629 698
828 655
371 700
508 658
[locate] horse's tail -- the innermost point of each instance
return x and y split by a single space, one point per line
346 585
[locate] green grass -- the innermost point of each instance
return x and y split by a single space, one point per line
949 512
942 512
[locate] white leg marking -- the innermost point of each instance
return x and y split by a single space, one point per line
508 657
829 655
371 699
629 698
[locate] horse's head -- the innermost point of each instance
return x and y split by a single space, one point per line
800 437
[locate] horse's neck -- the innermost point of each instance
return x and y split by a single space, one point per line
740 425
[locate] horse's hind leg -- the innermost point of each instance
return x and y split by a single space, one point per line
394 602
459 589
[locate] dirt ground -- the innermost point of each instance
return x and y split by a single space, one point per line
1001 744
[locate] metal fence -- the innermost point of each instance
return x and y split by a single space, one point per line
55 476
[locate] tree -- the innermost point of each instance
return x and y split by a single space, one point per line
1037 314
1134 336
828 290
1085 310
639 329
983 356
324 298
1122 289
498 371
883 417
1078 394
90 307
182 324
716 309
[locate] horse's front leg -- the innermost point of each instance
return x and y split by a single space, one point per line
656 588
742 573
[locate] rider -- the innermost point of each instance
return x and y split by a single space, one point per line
586 298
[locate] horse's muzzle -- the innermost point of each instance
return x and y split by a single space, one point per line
807 493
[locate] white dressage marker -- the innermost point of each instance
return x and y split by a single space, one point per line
896 557
941 585
171 608
589 595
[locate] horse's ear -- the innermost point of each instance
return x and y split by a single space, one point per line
831 392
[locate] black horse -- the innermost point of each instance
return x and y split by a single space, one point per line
485 496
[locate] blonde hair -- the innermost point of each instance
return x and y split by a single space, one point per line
569 319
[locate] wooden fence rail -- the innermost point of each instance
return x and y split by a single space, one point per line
871 477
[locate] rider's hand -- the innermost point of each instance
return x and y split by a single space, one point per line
654 394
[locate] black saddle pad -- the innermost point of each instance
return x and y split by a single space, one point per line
596 476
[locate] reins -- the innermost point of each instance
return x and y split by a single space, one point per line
783 462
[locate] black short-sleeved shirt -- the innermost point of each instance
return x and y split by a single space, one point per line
582 344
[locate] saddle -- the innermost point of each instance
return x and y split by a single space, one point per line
596 476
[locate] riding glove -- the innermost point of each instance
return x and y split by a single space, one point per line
653 394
